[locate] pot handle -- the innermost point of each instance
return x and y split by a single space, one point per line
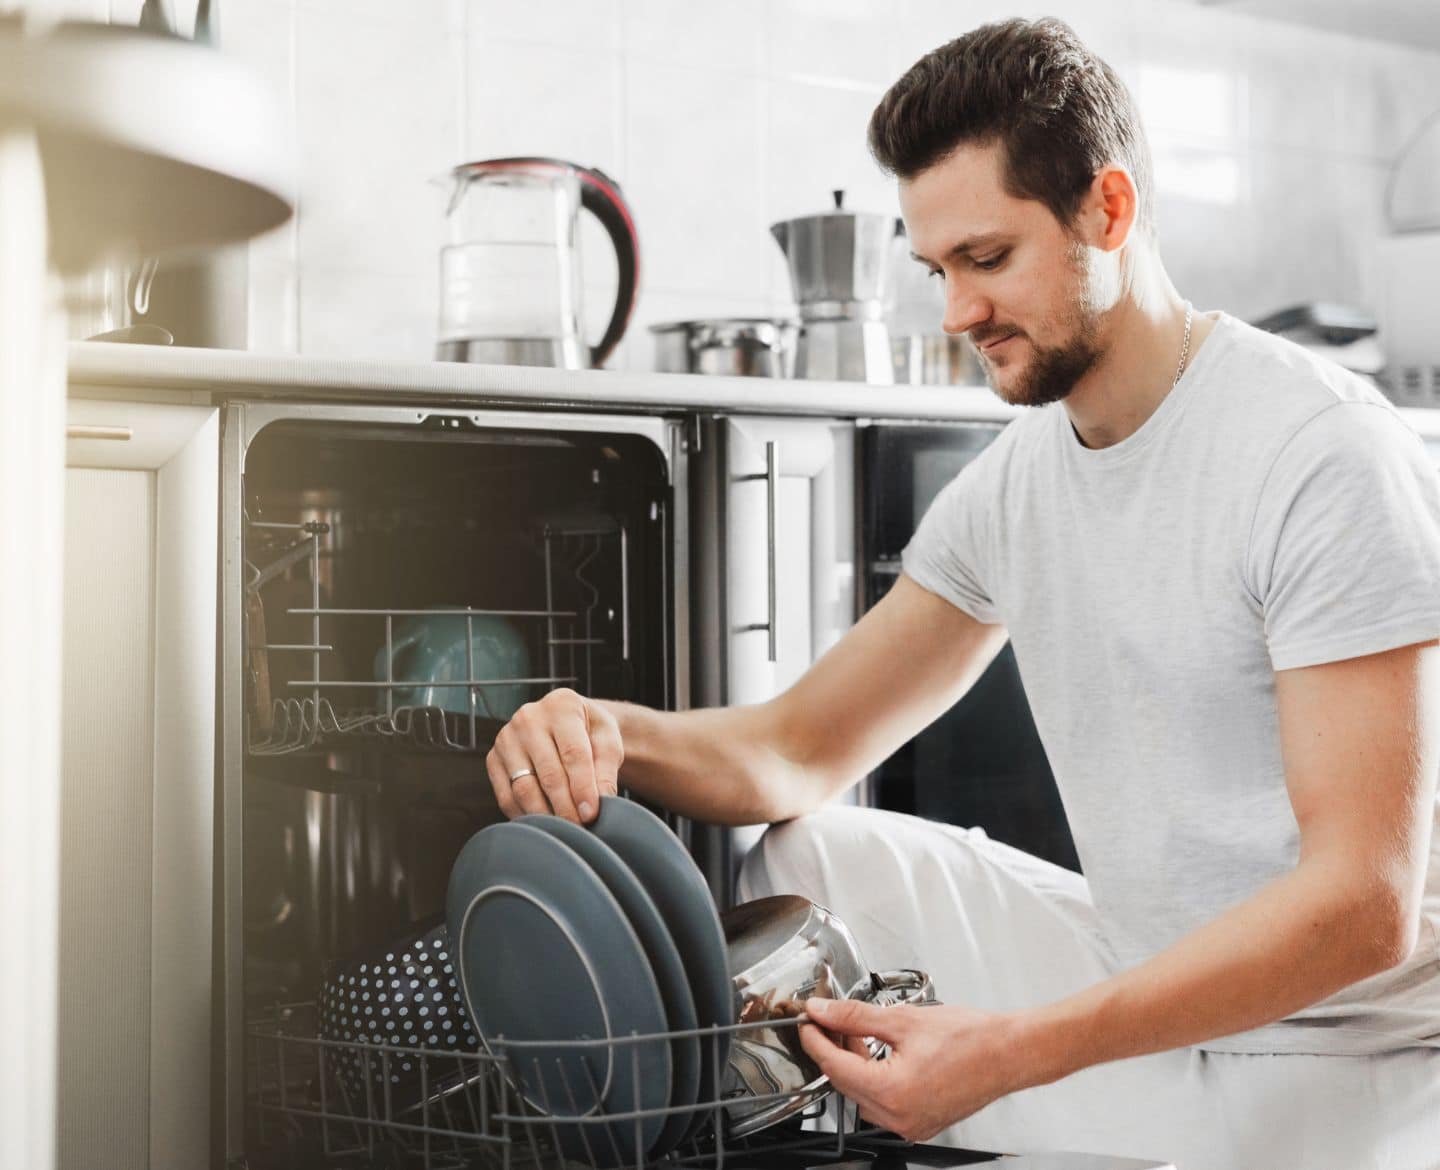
894 989
600 195
903 986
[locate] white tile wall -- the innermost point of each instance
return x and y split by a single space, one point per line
1271 141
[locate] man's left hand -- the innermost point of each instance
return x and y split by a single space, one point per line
945 1063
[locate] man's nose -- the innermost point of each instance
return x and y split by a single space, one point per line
964 309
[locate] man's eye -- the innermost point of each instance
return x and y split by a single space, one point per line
940 272
992 263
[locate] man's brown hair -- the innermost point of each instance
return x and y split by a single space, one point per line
1059 112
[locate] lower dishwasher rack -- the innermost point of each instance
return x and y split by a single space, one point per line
305 1110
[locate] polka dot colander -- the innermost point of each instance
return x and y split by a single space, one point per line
405 997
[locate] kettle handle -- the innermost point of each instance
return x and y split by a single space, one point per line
600 195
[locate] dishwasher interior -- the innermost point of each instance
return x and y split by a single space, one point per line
405 589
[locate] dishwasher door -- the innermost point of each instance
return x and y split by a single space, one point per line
345 787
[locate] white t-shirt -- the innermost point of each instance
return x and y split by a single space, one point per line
1274 512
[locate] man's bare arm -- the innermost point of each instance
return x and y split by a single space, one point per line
1361 745
902 665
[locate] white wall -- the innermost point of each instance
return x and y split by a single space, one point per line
1271 141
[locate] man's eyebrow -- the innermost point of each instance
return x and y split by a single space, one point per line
966 246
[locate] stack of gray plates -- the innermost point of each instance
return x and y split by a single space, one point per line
569 941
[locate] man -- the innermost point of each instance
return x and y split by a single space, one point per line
1218 561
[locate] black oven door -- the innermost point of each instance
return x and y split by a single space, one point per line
981 763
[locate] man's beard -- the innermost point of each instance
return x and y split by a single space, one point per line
1052 372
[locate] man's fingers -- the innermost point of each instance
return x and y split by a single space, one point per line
851 1074
572 744
866 1083
853 1017
569 751
526 795
609 754
550 773
500 784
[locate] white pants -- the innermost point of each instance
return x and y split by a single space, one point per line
999 929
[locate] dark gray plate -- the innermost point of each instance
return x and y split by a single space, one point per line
546 956
664 960
655 855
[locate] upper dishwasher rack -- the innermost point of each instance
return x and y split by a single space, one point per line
296 714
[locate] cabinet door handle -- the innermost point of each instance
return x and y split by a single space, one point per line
771 476
122 434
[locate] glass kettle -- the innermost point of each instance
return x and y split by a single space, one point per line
510 281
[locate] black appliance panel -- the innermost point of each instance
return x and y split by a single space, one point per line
981 763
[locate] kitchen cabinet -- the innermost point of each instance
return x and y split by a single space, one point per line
804 471
137 801
773 559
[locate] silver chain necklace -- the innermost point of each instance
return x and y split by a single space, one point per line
1184 347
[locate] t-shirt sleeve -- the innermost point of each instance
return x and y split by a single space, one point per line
947 554
1344 555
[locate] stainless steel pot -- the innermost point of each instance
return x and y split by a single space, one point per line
936 359
753 347
782 950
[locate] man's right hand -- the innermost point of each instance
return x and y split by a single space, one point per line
556 755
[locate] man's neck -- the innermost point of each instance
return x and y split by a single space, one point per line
1142 337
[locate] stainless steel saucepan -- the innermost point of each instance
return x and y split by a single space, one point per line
782 950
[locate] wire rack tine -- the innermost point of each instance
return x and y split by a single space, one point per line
640 1150
575 1111
530 1130
425 1105
369 1101
548 1111
324 1103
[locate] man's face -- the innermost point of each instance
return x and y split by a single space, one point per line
1024 288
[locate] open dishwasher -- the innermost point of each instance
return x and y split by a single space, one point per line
396 582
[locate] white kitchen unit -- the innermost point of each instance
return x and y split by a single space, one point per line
137 805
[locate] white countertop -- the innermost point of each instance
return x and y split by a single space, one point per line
101 369
107 367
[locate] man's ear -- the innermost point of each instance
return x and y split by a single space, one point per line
1110 209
